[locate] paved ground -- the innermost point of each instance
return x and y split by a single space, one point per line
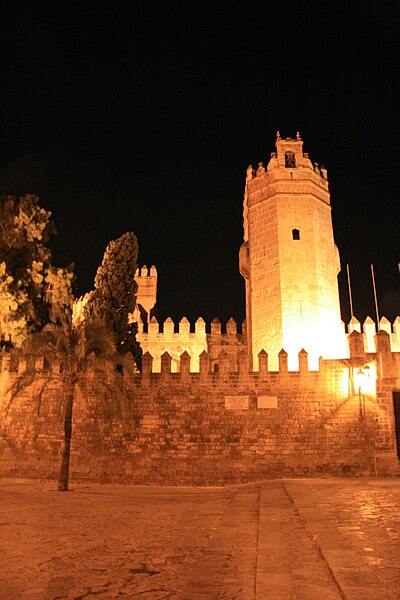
311 539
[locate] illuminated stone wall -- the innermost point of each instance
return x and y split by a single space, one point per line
160 339
369 330
292 262
217 425
175 340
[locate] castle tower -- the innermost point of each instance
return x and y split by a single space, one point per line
289 259
146 294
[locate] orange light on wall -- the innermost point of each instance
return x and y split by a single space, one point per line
331 345
364 379
364 383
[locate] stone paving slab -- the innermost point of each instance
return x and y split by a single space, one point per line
306 539
103 542
226 569
356 524
289 564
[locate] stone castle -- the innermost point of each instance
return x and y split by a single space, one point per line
290 265
291 392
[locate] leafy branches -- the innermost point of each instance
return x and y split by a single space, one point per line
31 290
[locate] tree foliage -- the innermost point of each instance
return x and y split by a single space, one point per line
114 296
32 292
71 349
13 323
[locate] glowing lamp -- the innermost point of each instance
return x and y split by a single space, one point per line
361 383
359 379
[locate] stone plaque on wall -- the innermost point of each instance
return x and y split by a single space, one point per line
267 402
237 402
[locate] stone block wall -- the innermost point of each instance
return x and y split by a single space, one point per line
369 329
213 427
175 339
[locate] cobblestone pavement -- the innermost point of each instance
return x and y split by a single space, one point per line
311 539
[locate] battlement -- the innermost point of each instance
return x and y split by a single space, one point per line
289 162
184 327
146 276
210 364
221 365
178 338
369 329
207 367
220 361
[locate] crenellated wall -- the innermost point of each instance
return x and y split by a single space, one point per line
369 329
220 424
176 339
158 340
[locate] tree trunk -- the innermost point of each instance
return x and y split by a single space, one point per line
64 470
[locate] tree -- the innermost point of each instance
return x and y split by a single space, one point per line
114 296
72 348
13 324
32 292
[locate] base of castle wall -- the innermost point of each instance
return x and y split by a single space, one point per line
198 472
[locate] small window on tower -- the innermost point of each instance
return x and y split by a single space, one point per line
289 159
295 234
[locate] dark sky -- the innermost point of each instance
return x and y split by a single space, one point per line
144 116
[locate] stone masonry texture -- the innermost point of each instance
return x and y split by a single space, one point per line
175 428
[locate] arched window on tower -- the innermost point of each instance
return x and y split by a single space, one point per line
290 160
295 234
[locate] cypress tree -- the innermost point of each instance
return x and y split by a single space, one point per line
114 296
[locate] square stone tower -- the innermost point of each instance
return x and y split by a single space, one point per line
289 259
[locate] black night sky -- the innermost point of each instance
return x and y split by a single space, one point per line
144 116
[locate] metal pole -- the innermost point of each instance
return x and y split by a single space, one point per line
376 299
350 295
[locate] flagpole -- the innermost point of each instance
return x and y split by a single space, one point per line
376 299
349 286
